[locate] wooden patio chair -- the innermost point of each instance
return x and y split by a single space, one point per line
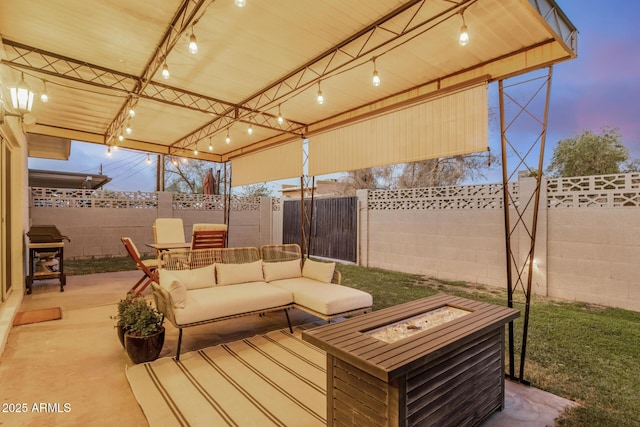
209 236
149 267
168 230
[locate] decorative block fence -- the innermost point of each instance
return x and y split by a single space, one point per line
587 243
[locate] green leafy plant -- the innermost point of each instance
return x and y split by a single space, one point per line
139 317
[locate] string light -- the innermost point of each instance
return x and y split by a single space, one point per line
148 159
195 150
193 45
128 129
280 118
250 129
132 112
240 3
464 34
44 96
227 139
121 137
320 96
210 144
376 77
165 71
109 151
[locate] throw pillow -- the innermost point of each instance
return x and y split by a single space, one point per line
197 278
320 271
231 274
281 270
178 292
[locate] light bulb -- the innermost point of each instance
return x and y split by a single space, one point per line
44 96
195 151
376 78
128 129
240 3
464 36
320 96
174 162
165 71
250 130
193 45
109 151
210 145
132 112
183 160
121 137
227 139
280 118
148 159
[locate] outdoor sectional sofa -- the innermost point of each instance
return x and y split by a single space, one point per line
209 285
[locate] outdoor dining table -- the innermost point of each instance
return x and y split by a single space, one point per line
161 247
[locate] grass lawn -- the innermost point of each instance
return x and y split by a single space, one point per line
585 353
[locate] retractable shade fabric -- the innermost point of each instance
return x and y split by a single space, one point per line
451 124
279 162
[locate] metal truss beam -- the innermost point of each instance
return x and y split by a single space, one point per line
375 39
25 57
183 18
514 109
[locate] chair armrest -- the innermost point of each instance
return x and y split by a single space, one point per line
337 277
162 300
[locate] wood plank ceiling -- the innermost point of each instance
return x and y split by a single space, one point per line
101 57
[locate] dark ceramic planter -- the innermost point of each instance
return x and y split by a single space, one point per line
120 331
144 349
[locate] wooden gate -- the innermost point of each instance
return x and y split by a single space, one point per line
333 231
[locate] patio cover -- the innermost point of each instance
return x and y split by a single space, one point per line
101 58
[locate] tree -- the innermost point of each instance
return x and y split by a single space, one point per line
256 190
377 178
188 176
425 173
591 154
445 171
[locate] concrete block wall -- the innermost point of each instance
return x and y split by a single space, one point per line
96 232
594 255
589 254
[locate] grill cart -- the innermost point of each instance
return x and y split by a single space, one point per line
46 255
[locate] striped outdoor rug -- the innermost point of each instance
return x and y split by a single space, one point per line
273 379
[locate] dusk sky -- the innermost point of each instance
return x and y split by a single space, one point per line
600 88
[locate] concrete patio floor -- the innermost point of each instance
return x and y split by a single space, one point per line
76 365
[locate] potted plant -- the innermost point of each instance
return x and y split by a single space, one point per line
123 306
143 330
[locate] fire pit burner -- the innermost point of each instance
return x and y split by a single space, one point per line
405 328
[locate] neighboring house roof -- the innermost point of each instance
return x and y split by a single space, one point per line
57 179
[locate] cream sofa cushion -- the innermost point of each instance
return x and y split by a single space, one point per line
221 301
281 270
178 292
196 278
231 274
320 271
325 298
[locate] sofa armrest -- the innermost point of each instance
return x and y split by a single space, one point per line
163 303
337 277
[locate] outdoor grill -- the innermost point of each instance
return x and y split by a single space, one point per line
46 255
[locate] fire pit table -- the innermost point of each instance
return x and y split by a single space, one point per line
434 361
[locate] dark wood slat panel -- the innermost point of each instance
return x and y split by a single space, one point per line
333 229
